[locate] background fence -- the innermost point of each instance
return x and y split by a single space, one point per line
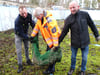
8 15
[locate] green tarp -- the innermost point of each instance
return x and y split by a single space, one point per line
47 58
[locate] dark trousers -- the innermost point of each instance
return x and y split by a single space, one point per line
51 66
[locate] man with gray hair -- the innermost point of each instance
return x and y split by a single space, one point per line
49 30
38 11
78 22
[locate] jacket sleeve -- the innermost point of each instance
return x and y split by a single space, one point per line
35 30
19 30
65 30
92 25
32 22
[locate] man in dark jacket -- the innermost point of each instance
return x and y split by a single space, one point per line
22 23
78 22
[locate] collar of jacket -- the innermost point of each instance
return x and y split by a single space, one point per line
47 14
76 13
23 17
45 22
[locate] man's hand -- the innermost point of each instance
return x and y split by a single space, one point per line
56 48
31 39
98 38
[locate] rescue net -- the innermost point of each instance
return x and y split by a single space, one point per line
49 57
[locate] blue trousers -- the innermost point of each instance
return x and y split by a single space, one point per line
84 57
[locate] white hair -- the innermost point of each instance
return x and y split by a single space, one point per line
38 11
74 2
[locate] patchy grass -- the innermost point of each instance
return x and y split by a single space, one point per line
8 56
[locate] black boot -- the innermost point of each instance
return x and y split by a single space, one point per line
71 71
48 72
29 62
20 68
50 69
82 73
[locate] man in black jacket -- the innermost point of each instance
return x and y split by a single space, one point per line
22 23
78 22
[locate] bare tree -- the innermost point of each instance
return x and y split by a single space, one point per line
87 4
94 4
34 2
17 1
64 3
98 3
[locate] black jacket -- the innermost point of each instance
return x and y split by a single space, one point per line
78 24
22 25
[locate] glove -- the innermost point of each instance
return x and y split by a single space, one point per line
98 38
31 39
56 48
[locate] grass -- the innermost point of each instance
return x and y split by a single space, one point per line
8 56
